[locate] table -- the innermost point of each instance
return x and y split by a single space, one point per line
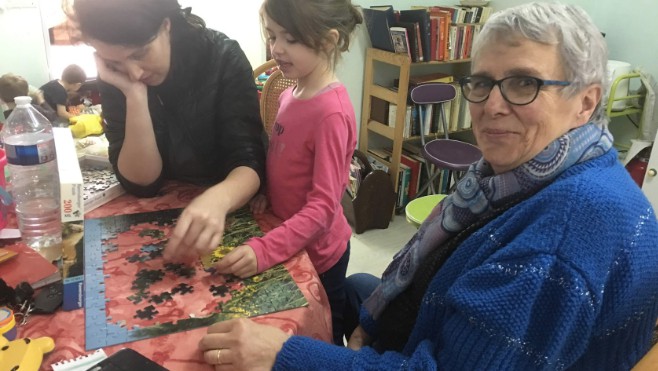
179 351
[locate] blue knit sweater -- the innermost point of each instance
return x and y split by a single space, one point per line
567 279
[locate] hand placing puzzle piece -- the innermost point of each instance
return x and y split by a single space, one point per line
209 260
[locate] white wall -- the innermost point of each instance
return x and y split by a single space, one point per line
22 49
631 31
241 23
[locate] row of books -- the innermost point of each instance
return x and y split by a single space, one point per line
428 120
455 112
412 172
426 33
461 13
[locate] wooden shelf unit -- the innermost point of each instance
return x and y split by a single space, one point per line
399 98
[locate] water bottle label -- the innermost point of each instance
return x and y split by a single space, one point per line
33 154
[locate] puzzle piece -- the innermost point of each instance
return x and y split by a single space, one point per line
138 297
159 299
147 277
219 290
146 313
180 269
209 260
183 289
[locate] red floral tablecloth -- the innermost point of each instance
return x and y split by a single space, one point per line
179 351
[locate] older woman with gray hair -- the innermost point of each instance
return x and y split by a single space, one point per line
545 257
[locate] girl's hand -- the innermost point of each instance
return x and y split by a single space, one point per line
116 78
241 344
241 262
258 204
359 339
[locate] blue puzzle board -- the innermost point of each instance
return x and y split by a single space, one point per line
270 291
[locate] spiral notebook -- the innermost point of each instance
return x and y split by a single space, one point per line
81 363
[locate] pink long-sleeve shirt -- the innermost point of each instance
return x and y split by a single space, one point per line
308 160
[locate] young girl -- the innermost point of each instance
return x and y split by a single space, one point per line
310 148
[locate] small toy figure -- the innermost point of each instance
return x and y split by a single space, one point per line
24 354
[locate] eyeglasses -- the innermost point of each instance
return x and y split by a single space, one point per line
517 90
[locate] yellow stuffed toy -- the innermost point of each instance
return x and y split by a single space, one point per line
24 354
85 124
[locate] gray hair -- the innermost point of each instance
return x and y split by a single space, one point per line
582 48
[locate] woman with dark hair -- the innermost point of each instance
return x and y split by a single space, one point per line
179 102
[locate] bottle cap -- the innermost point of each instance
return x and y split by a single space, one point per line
22 100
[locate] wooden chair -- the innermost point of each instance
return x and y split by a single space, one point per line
272 88
264 67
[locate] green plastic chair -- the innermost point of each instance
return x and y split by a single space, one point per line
419 209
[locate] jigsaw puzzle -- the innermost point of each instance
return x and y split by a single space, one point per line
131 293
100 185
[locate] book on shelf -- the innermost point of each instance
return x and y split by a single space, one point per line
383 7
474 2
437 120
436 26
422 17
378 22
379 110
422 79
414 165
464 118
426 119
404 176
434 38
375 164
381 153
410 122
400 39
412 39
392 114
430 77
444 18
456 107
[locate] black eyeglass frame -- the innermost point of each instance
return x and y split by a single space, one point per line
466 80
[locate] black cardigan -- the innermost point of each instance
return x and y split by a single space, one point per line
205 114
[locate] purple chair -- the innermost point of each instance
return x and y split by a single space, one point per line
445 154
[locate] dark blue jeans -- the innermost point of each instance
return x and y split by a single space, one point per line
333 281
358 288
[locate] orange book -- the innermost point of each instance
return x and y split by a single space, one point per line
444 25
28 265
434 38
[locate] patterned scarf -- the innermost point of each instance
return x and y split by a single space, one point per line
478 194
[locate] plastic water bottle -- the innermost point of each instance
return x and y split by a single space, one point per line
30 148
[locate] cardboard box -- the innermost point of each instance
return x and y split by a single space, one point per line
100 183
72 211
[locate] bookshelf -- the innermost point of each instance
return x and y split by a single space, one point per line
393 134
